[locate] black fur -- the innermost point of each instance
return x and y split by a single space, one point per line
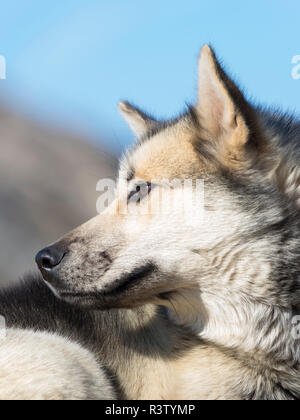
32 305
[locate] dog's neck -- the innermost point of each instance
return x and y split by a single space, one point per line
136 344
254 309
233 321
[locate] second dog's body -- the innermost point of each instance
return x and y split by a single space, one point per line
44 366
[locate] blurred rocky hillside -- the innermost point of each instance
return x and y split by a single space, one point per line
47 187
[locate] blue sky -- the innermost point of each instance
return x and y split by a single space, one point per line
70 62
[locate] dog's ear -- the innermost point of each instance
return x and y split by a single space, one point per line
139 122
226 118
232 129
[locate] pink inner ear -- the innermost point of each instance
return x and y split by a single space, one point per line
215 105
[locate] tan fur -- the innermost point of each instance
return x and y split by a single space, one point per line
205 374
168 155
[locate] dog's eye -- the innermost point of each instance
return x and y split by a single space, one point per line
141 191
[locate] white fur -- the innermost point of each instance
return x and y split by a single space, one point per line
42 366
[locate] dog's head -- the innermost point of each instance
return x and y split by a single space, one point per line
202 238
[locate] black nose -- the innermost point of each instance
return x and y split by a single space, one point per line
49 258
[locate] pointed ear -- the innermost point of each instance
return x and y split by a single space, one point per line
138 121
222 110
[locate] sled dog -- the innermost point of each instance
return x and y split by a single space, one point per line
209 290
